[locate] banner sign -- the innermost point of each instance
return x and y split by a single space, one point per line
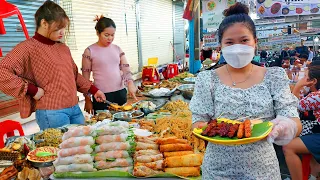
212 12
276 8
210 40
276 43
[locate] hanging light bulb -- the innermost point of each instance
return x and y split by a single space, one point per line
316 39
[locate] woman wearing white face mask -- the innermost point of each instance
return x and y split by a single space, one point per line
240 89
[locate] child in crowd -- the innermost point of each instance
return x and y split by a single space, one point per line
309 141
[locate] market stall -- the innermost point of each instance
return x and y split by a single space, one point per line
151 138
129 141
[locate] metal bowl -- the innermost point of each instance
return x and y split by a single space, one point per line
187 90
137 114
122 116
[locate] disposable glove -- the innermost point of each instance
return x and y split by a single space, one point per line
284 130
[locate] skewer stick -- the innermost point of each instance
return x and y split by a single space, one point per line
220 115
242 118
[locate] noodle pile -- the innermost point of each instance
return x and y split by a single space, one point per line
179 125
176 106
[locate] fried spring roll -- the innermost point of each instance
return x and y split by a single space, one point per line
144 171
171 140
184 171
184 161
175 147
177 153
157 165
240 131
247 128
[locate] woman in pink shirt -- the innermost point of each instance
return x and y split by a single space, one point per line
109 66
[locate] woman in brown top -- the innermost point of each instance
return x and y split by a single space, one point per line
42 74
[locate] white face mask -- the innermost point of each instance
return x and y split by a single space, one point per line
238 55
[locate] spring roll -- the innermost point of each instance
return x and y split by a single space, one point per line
184 161
171 140
157 165
148 140
111 130
102 156
175 147
112 138
114 146
75 150
177 153
76 159
151 138
75 168
121 162
128 169
145 146
124 124
146 152
148 158
143 171
77 141
79 132
184 171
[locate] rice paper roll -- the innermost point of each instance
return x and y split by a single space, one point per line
184 171
75 168
184 161
102 156
75 150
79 132
175 147
171 140
148 140
112 138
121 162
148 158
77 141
157 165
146 152
128 169
177 153
124 124
114 146
144 171
111 130
76 159
144 146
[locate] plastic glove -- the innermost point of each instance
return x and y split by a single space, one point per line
284 130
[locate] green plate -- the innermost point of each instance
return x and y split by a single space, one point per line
259 132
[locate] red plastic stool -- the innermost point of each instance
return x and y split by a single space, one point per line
7 10
7 127
306 166
172 70
150 74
